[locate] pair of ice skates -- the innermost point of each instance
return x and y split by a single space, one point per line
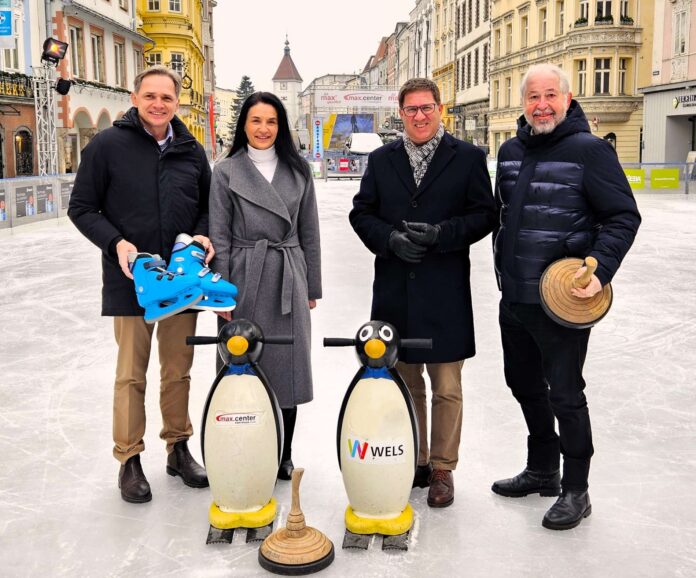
165 290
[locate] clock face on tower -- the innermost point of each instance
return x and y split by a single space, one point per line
283 86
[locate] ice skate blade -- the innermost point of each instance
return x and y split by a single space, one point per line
212 305
259 534
398 542
155 313
219 536
358 541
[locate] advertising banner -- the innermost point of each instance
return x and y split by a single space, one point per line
7 39
343 125
3 204
317 139
344 99
664 178
636 178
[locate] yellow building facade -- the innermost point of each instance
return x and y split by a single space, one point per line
175 26
604 46
444 19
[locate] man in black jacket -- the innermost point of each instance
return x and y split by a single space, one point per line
423 201
140 183
561 193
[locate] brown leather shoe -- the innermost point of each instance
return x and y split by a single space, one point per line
132 481
441 493
181 463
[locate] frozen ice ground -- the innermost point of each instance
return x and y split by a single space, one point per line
60 509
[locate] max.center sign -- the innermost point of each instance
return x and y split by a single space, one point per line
345 99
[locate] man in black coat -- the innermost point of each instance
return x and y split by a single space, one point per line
423 201
141 183
561 193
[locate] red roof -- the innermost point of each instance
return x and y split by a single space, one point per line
287 69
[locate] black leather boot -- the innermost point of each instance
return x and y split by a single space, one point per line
181 463
568 511
529 482
132 481
286 465
422 477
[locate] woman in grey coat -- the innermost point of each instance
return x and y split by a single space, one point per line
265 229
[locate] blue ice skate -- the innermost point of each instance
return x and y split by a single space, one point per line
160 292
188 257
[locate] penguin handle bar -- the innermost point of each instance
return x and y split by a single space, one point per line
271 339
416 343
338 341
407 343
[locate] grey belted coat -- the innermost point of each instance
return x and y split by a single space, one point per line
266 240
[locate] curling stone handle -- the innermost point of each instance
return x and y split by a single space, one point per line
338 342
584 279
278 339
200 340
416 343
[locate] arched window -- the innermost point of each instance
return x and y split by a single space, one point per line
24 152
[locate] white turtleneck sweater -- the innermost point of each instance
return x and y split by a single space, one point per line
264 160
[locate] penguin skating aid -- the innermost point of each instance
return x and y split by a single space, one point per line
242 435
377 440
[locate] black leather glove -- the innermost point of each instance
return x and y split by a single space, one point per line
423 233
405 249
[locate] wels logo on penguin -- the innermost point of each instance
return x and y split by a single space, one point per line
223 418
393 451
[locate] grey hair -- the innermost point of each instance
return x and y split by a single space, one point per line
161 71
563 81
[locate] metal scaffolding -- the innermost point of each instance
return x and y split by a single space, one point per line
44 100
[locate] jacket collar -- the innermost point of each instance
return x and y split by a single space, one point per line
442 157
131 120
250 184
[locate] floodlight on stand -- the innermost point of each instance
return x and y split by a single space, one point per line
53 50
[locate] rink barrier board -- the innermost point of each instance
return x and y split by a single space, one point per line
26 200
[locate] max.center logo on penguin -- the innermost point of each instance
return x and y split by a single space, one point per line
246 418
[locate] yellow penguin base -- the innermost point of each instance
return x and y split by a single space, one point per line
229 520
387 527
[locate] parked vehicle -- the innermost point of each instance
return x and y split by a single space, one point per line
362 143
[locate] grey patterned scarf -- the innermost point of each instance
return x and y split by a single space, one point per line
420 155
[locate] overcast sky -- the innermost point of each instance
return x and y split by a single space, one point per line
326 36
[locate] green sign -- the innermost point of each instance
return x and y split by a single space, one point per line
636 178
664 178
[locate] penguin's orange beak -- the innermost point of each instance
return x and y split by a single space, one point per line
375 348
237 345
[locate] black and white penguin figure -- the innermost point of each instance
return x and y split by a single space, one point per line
242 435
377 440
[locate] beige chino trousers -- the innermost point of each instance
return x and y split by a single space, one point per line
134 339
446 410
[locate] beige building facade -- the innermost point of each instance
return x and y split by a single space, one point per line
444 17
605 47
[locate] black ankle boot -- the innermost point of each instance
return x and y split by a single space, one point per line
568 511
529 482
181 463
286 465
132 481
421 479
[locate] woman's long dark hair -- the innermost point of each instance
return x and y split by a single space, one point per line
284 147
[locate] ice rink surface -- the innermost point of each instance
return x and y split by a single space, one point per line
61 513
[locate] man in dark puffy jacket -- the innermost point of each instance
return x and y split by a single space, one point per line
141 183
561 193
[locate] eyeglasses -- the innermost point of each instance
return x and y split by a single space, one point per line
426 109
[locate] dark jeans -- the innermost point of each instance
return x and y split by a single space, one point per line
543 367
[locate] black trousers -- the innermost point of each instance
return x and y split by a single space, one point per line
543 367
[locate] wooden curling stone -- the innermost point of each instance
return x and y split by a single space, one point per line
297 549
559 303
